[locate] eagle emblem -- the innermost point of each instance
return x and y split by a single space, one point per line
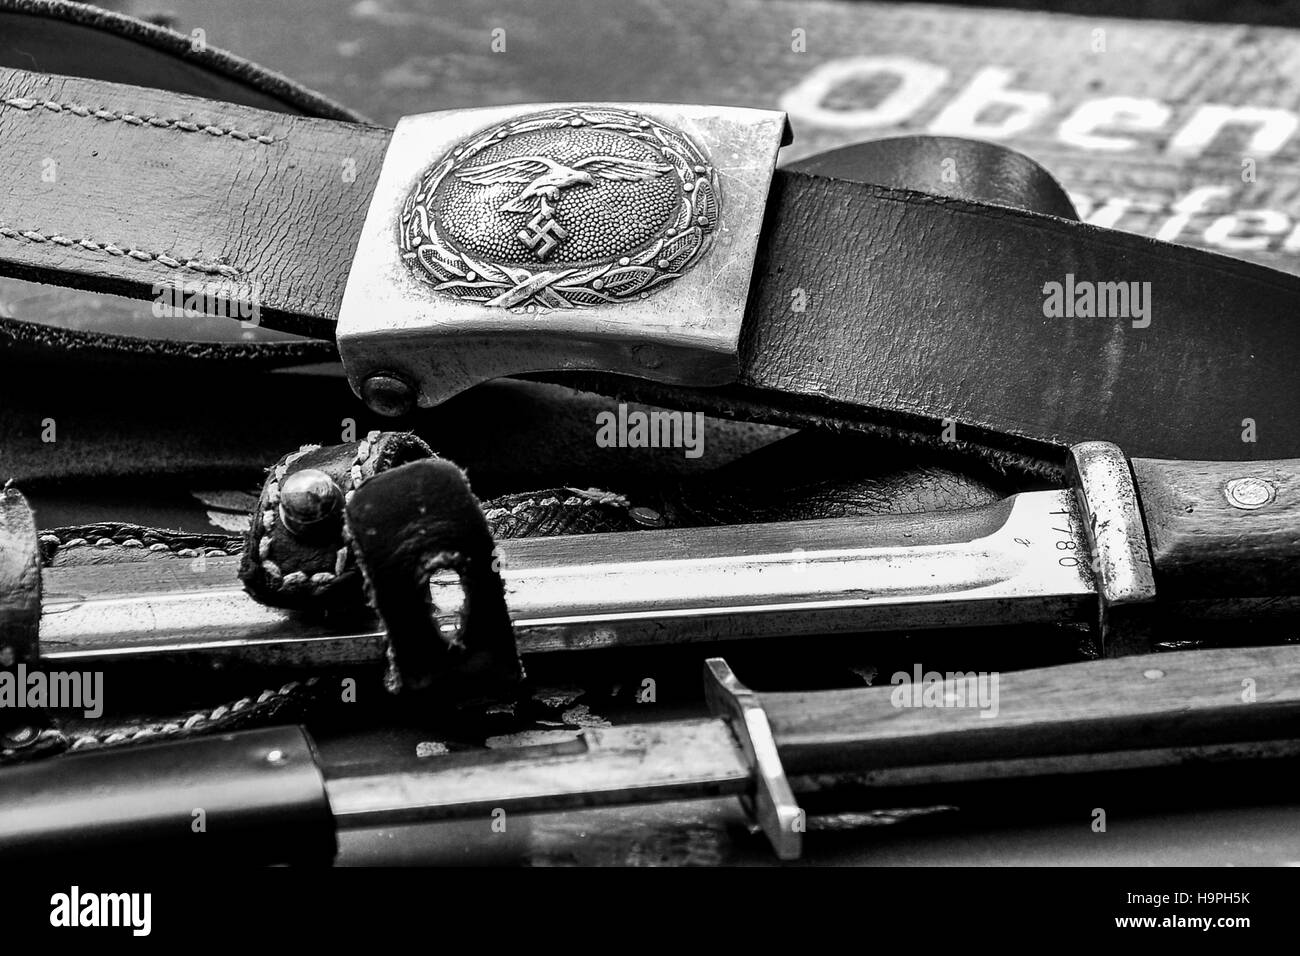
545 177
564 209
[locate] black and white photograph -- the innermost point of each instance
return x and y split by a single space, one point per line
779 435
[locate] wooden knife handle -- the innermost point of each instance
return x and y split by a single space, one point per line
1163 708
1222 529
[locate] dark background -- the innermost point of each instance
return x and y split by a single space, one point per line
1280 13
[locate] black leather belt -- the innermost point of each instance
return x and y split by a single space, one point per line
870 305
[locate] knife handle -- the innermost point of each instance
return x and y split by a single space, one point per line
1159 709
1222 529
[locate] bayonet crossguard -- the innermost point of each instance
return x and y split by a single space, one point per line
772 803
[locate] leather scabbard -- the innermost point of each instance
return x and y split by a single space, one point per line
917 312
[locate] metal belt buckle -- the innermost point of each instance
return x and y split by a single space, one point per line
607 237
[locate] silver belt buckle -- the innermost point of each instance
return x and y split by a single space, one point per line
606 237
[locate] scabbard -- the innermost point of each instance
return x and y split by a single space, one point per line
256 797
870 306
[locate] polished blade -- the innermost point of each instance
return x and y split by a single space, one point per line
1017 561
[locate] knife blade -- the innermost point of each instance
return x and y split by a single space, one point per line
1123 544
276 800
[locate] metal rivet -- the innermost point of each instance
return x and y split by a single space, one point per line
1249 494
648 357
20 737
308 499
646 517
388 394
1153 674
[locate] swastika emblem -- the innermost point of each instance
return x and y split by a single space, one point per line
545 236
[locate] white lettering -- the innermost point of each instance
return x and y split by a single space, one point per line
1126 113
987 93
916 82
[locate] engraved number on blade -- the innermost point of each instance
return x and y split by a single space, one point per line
1067 542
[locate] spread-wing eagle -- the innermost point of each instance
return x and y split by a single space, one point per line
545 177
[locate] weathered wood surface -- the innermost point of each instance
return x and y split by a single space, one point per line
1167 702
1222 529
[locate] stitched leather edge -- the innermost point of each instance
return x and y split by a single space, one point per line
284 569
293 95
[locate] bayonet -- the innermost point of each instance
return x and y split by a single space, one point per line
275 801
1121 541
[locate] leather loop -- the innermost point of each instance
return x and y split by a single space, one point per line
405 525
947 166
291 567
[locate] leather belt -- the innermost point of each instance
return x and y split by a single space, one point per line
920 312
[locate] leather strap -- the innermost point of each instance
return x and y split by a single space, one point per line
78 39
404 525
918 309
117 189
